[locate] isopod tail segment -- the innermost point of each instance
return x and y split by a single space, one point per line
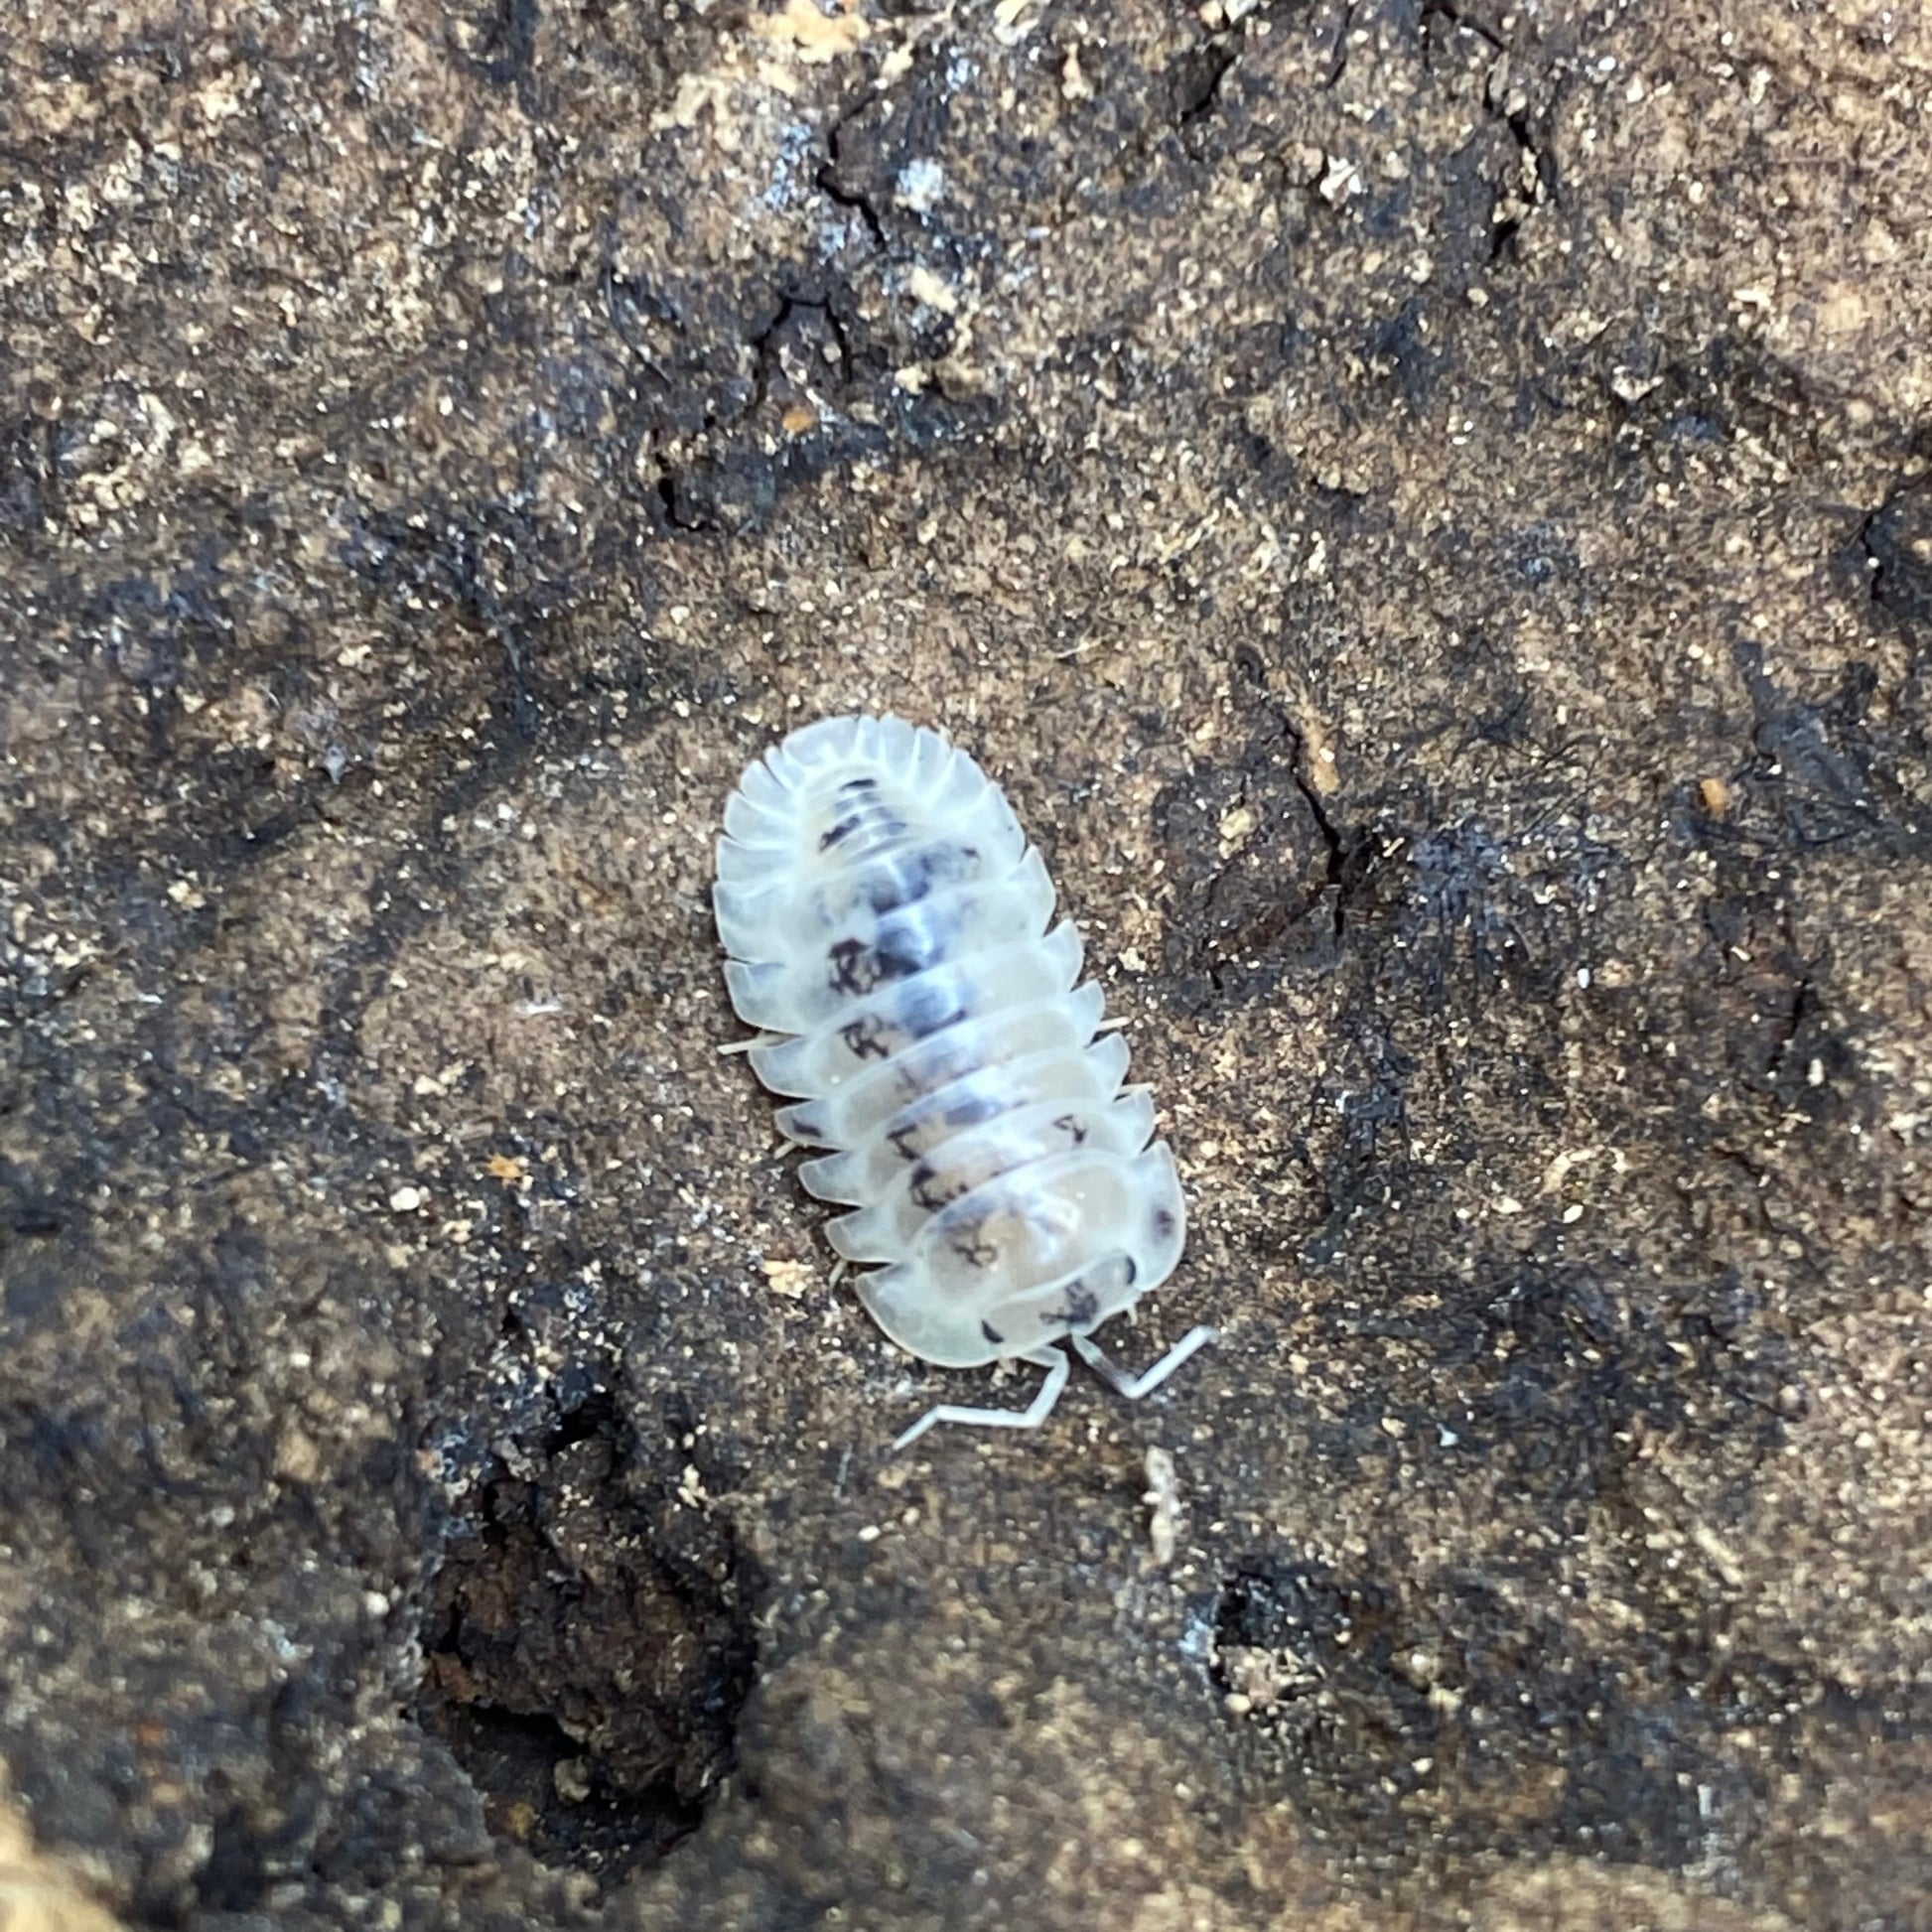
1129 1388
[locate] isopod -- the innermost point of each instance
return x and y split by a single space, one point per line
887 925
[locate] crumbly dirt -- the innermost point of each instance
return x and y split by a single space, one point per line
1425 506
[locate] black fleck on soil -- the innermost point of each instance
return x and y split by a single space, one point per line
1424 508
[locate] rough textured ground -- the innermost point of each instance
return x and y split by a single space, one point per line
1426 508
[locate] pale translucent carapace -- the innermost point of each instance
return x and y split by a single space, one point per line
889 934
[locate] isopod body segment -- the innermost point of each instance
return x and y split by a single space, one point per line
889 933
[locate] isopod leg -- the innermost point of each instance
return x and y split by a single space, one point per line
1057 1369
1133 1387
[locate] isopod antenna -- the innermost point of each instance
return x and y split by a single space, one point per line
1130 1388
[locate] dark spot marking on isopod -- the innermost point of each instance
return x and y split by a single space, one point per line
933 1017
973 1249
846 956
906 876
1073 1123
1082 1305
1164 1221
1129 1271
863 1037
904 1139
970 1111
992 1334
896 954
901 882
925 1196
901 951
863 811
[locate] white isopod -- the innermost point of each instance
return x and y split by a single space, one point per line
887 925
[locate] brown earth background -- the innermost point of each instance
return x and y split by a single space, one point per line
1424 506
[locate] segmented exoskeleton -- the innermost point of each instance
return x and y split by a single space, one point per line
887 925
